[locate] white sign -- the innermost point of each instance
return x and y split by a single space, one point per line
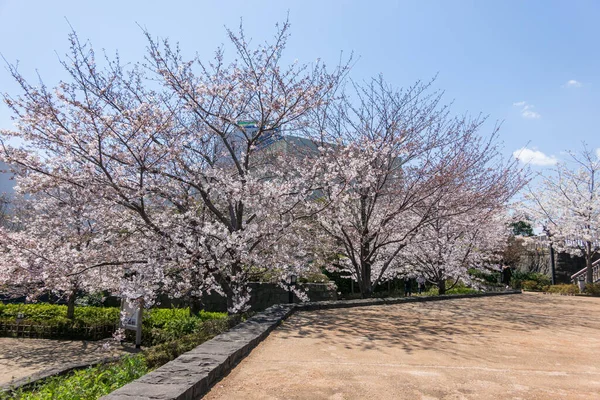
132 315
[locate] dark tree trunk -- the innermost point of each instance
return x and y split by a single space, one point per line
441 284
71 304
589 273
195 305
366 288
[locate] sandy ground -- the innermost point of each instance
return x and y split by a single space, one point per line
527 346
20 358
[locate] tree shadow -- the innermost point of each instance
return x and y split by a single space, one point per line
45 353
436 325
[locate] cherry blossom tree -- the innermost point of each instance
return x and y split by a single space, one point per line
567 206
391 158
168 145
65 243
447 247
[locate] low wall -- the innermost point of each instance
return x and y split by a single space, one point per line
191 375
262 296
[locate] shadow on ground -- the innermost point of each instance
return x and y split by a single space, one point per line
39 354
434 325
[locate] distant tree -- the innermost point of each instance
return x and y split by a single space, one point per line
446 247
399 162
521 228
567 205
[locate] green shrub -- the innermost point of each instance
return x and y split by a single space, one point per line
89 383
562 289
458 289
519 278
159 325
163 353
95 382
489 278
55 313
592 289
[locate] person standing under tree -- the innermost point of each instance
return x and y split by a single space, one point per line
407 287
506 275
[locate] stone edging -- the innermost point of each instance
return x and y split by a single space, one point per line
191 375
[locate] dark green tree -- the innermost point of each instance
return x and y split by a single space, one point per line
522 228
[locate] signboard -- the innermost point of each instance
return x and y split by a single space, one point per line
132 315
132 318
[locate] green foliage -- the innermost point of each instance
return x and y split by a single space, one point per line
458 289
489 278
535 281
159 325
522 228
94 382
593 289
562 289
163 324
91 299
55 314
314 277
90 383
163 353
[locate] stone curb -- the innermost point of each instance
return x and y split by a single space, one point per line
191 375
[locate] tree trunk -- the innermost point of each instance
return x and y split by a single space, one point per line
441 284
589 273
366 287
195 305
71 304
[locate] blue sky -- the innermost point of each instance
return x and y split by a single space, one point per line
511 60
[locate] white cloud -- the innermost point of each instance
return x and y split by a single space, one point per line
527 110
534 157
530 114
572 84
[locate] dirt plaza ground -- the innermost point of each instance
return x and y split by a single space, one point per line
525 346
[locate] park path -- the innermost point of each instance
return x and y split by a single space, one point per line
20 358
526 346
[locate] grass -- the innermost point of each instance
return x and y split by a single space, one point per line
95 382
90 383
433 291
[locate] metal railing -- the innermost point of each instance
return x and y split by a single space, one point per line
583 272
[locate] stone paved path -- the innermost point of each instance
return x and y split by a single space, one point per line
527 346
20 358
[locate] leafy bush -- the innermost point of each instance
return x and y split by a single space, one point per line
54 314
458 289
519 278
163 353
562 289
489 278
162 324
90 383
94 382
592 289
159 325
